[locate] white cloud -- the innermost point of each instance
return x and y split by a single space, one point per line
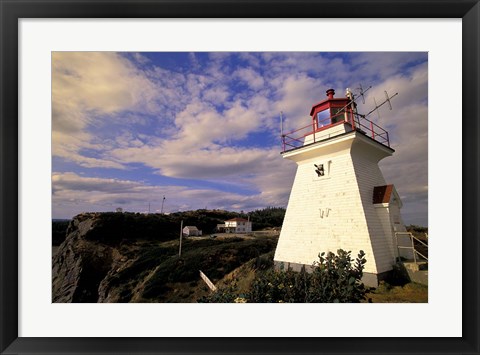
216 95
193 123
296 95
251 77
408 128
98 81
88 87
74 194
383 64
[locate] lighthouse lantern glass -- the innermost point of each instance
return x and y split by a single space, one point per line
323 118
330 116
338 114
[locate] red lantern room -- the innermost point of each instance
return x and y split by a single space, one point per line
333 111
332 117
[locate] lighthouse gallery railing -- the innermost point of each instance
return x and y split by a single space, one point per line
296 138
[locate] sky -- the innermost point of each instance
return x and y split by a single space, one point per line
203 129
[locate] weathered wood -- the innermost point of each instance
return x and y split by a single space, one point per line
207 281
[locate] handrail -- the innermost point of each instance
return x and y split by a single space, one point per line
412 247
411 235
423 256
418 240
294 139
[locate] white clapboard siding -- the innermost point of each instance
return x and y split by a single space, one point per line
336 211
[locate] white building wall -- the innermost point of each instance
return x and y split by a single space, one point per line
328 133
324 214
369 175
240 227
336 211
402 239
383 213
248 227
232 224
397 219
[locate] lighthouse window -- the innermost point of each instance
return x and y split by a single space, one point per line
337 114
323 118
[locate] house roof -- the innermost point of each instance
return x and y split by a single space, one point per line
191 227
384 194
237 220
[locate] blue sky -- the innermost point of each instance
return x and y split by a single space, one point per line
203 129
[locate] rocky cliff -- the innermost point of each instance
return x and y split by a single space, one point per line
110 257
80 264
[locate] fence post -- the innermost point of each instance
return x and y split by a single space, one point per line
413 249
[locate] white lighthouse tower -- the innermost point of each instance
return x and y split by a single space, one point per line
339 199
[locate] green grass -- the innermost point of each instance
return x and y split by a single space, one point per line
409 293
214 258
166 277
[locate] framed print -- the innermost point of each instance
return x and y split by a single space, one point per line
48 158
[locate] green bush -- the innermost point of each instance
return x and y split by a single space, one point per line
336 279
267 218
226 294
333 279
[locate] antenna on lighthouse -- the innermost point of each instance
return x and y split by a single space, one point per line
281 123
388 98
378 111
353 99
362 92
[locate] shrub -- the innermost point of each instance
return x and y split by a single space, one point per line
282 286
226 294
334 278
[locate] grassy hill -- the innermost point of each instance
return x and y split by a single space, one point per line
131 257
112 226
167 277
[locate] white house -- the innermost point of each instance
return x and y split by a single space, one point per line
191 231
339 198
238 225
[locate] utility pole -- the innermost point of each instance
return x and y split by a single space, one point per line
161 211
181 235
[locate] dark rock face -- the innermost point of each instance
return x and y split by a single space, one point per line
80 264
97 248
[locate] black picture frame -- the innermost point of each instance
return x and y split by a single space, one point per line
13 10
